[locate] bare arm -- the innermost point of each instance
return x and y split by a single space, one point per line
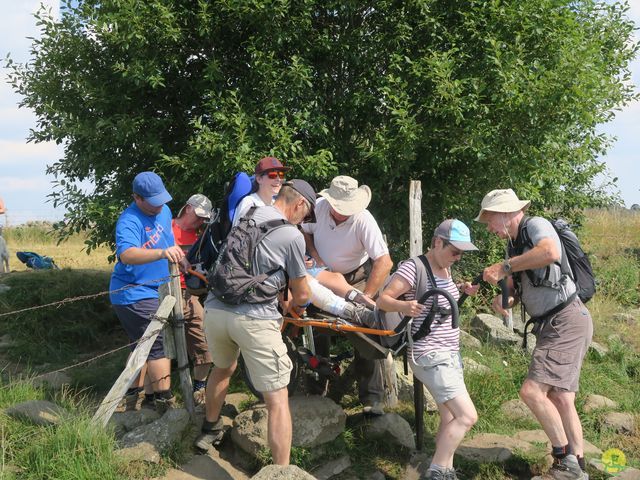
311 249
300 292
379 272
388 300
140 256
544 253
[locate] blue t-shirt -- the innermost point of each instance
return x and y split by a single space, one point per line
136 229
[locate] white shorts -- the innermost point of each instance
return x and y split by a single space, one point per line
441 373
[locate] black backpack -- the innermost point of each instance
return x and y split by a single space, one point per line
232 279
204 252
574 261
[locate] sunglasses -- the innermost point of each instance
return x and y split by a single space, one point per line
273 174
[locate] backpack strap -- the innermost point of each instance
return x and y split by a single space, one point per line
425 327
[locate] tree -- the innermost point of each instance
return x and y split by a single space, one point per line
465 95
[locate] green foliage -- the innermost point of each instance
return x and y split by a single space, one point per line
51 334
618 277
466 95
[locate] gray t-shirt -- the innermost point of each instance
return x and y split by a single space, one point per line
284 248
539 300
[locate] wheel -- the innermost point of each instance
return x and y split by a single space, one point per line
295 371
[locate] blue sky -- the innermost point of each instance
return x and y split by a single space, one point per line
24 185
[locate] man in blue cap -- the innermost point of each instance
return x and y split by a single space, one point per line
144 245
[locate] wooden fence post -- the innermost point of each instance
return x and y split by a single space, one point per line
416 248
135 362
180 342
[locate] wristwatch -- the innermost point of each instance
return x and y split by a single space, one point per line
506 266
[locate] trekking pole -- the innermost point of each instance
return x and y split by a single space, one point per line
508 318
464 296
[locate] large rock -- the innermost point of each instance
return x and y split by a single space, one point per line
392 428
595 402
278 472
600 350
470 365
490 447
469 341
162 434
316 420
491 329
123 422
234 403
623 423
539 437
206 467
626 473
332 468
517 410
40 412
405 388
54 380
141 452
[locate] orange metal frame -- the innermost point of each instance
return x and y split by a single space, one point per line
296 320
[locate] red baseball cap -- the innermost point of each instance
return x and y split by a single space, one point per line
270 163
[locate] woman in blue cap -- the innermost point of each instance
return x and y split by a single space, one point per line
435 359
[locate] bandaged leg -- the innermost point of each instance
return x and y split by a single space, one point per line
328 301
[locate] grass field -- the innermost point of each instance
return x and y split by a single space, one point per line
39 237
75 331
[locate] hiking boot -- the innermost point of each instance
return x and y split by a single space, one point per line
359 314
148 402
356 296
199 396
373 409
566 468
210 436
131 402
164 404
450 474
435 475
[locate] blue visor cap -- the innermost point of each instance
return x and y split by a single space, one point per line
150 187
456 233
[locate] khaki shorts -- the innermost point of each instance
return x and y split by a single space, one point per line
197 348
561 345
441 373
260 341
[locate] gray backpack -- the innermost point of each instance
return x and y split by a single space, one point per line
232 278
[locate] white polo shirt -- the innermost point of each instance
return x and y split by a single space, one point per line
345 247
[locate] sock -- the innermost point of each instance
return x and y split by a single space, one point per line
134 390
582 464
210 426
437 468
198 384
163 395
560 452
325 299
149 397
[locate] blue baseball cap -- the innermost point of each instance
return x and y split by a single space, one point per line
456 233
150 187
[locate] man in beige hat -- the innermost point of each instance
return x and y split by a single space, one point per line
346 239
186 228
562 324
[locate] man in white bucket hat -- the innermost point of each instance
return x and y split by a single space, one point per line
534 267
346 239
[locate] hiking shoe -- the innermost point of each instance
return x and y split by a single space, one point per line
131 402
435 475
199 396
566 468
450 474
164 404
356 296
358 313
373 409
210 437
149 403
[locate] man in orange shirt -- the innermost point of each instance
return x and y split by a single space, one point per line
186 227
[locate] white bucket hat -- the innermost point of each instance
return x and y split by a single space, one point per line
345 196
502 201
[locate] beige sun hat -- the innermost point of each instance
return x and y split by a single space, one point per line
345 196
502 201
